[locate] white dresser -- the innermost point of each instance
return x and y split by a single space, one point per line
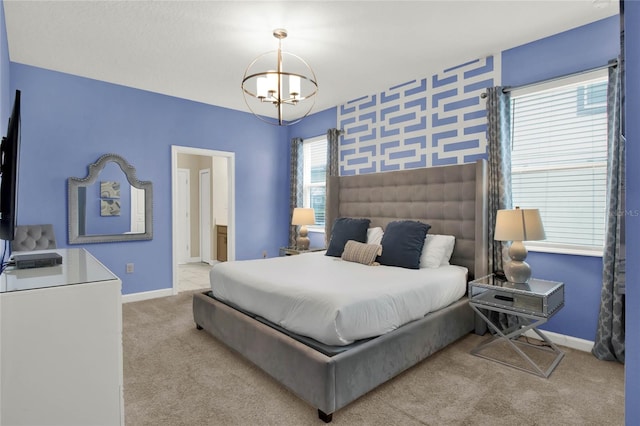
61 344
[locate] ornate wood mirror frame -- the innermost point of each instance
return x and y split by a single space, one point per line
77 204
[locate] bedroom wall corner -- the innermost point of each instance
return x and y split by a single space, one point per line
314 125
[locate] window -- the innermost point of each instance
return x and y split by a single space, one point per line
314 177
559 160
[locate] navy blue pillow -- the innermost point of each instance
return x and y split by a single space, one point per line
402 244
345 229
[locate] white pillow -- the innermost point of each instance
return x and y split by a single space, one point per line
374 235
437 250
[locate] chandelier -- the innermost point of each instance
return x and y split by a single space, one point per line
284 95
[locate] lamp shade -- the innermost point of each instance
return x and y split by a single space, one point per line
303 216
519 225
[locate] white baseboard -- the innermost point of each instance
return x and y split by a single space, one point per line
146 295
197 260
564 340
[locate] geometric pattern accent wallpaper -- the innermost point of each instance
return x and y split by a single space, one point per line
430 121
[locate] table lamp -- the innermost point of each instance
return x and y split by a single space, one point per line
518 225
303 217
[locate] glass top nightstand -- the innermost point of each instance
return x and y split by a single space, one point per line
289 251
532 304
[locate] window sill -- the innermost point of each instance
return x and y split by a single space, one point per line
569 250
316 230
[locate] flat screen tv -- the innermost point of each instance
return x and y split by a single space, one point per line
9 159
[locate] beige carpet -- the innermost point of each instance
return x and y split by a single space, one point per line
177 375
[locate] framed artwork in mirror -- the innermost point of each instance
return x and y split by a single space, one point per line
109 189
109 207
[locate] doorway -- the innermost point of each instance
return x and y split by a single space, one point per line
219 210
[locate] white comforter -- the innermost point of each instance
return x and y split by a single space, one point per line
334 301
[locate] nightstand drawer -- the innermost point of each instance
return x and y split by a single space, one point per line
538 297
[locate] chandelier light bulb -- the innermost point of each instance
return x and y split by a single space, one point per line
272 83
262 87
294 86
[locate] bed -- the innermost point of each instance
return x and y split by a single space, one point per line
452 199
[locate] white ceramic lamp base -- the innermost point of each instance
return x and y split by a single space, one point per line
302 242
517 270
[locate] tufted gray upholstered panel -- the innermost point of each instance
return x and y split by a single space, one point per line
33 237
452 199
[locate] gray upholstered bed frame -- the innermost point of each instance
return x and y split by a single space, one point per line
452 199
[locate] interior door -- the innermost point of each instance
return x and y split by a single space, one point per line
137 210
183 215
205 215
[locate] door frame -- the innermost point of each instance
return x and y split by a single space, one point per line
231 228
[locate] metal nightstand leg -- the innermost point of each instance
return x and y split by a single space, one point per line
510 337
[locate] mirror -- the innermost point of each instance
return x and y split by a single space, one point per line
110 204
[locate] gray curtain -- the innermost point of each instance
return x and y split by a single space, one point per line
610 339
499 175
333 143
296 188
499 165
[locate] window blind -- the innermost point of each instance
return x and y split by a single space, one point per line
559 159
314 185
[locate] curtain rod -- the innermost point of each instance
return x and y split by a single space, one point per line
612 63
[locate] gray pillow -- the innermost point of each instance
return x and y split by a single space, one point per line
402 244
345 229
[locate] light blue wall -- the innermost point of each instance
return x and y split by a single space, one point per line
5 97
314 125
632 348
582 48
68 122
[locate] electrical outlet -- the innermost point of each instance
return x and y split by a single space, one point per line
129 268
264 254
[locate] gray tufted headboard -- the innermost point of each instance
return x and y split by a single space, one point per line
452 199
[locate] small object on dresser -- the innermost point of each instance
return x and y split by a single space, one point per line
37 260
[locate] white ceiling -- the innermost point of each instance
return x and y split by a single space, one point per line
199 50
